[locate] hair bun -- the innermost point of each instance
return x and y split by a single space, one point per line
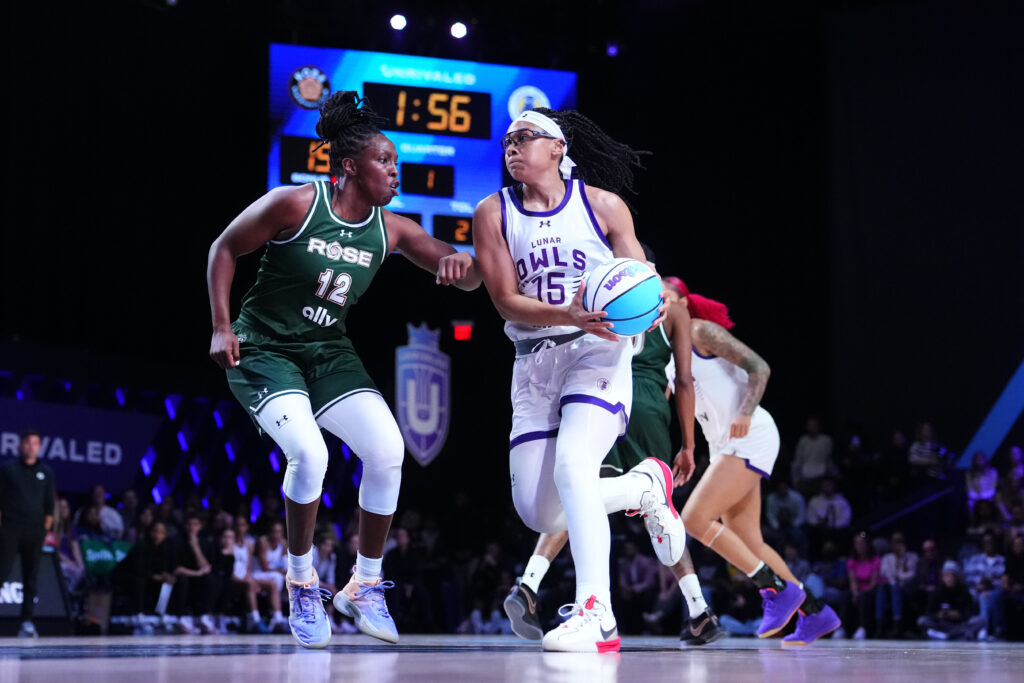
340 111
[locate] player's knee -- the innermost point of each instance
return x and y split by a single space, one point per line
386 450
304 476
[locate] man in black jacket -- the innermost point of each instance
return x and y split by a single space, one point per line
26 514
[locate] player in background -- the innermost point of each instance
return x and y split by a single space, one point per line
724 510
647 435
571 382
290 363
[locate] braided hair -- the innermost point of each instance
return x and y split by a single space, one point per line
601 161
347 127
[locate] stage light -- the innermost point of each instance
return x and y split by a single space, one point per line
398 22
612 49
459 30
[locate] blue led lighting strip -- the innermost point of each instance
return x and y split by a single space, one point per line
998 422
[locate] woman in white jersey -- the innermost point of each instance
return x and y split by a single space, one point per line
572 383
724 510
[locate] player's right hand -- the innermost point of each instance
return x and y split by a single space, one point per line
682 467
590 321
224 348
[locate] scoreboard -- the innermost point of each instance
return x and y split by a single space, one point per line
444 116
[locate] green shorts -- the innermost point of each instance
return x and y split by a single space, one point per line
647 435
325 371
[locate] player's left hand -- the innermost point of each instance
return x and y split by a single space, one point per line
453 267
739 427
682 467
662 312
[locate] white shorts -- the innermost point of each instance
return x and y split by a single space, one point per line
760 447
586 370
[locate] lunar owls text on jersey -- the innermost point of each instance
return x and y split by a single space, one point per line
552 250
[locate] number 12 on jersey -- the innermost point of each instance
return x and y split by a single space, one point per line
341 286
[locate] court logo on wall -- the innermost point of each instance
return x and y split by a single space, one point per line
309 87
422 387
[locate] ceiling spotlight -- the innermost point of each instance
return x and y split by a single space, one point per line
612 49
459 29
398 22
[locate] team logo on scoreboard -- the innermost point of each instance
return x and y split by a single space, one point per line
309 87
422 373
524 98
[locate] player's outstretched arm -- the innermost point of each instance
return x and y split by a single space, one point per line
499 274
711 338
677 324
450 266
275 215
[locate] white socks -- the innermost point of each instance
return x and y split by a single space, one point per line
367 569
535 570
690 587
756 570
300 567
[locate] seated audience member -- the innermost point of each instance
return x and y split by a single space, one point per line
812 458
983 575
1015 527
982 481
638 586
270 567
863 567
786 514
191 576
985 520
927 576
128 508
897 572
151 565
927 457
136 532
244 553
222 588
829 515
325 564
738 604
1013 585
69 553
1015 466
110 519
950 608
1009 495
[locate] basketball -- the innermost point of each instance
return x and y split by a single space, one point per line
628 290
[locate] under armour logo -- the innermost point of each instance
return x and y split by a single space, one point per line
345 233
703 417
284 419
544 224
262 392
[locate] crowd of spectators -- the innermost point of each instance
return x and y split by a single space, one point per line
198 568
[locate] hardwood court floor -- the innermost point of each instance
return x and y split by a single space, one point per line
447 659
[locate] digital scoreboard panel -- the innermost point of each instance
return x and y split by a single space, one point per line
445 118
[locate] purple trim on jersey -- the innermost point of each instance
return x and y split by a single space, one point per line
754 469
532 436
541 214
593 218
501 195
699 355
600 403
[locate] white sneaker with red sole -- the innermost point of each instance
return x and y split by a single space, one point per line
668 535
590 627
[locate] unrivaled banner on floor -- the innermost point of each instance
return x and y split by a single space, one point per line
83 446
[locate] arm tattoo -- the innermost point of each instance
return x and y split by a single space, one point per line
720 342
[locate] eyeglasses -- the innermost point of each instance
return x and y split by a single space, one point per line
518 137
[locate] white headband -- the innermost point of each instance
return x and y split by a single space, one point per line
547 125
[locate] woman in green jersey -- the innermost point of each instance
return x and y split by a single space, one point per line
290 363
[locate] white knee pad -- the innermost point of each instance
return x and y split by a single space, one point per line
364 421
288 420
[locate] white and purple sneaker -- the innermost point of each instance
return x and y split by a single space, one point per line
364 602
307 617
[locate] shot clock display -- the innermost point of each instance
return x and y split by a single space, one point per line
444 116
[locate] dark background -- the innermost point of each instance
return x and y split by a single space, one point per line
845 175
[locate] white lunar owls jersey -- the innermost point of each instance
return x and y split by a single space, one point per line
719 388
552 251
